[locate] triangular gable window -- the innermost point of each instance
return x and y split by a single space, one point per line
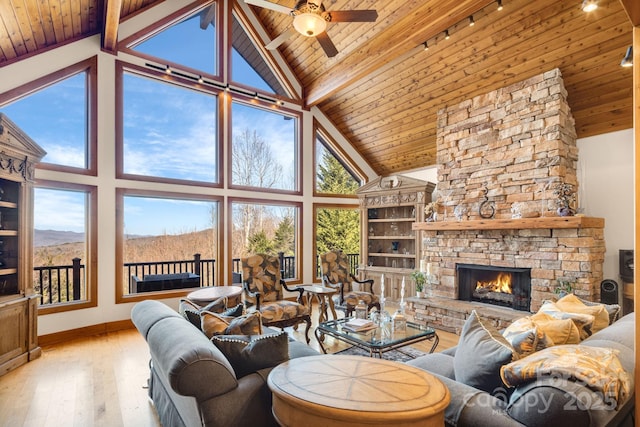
190 42
248 67
332 176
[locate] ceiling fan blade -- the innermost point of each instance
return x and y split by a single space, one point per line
327 45
273 44
353 15
269 5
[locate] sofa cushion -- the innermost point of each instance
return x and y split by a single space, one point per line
481 351
559 331
435 363
218 324
248 354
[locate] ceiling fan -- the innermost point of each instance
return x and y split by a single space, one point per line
310 19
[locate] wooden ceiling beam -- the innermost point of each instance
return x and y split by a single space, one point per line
632 7
405 35
111 22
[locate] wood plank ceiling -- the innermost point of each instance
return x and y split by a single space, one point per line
383 90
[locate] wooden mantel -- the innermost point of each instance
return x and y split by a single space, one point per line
552 222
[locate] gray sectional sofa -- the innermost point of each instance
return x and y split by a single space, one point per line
548 401
192 383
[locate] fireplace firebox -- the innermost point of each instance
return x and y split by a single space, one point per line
502 286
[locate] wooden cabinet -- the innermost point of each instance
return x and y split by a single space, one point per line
18 301
390 246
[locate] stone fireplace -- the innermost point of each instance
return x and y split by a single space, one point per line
507 148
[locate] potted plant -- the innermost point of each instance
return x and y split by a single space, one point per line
564 287
420 279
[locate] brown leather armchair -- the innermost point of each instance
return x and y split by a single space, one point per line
262 286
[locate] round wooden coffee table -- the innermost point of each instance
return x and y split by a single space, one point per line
206 295
350 391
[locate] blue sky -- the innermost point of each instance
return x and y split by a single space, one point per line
162 122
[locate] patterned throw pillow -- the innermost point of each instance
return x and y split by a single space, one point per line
481 351
218 324
526 337
559 331
248 354
573 304
236 311
217 306
583 321
191 311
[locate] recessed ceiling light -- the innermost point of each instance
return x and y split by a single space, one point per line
589 5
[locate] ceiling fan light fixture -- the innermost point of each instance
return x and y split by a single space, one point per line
589 5
309 24
627 61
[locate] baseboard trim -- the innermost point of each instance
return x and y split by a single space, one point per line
87 331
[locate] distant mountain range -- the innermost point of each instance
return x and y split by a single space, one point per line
54 237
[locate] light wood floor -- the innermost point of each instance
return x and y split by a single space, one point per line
100 381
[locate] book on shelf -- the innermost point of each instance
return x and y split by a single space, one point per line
358 325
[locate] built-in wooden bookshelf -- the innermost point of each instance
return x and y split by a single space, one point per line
18 300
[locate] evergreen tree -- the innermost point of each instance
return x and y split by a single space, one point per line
260 243
333 178
336 228
284 238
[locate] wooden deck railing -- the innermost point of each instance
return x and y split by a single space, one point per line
64 283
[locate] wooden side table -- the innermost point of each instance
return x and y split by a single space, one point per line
206 295
323 295
349 391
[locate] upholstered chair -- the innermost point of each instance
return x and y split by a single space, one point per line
262 286
336 274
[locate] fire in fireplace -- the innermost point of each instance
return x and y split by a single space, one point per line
506 287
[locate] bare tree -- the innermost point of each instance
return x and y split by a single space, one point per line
253 165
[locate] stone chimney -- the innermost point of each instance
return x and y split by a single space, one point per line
514 144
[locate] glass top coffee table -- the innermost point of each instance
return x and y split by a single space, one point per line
372 340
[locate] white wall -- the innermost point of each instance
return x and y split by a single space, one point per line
605 174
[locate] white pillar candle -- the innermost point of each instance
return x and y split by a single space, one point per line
428 269
423 265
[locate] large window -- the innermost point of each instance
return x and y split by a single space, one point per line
64 254
337 227
173 236
248 67
264 227
190 42
169 131
333 176
264 149
56 111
